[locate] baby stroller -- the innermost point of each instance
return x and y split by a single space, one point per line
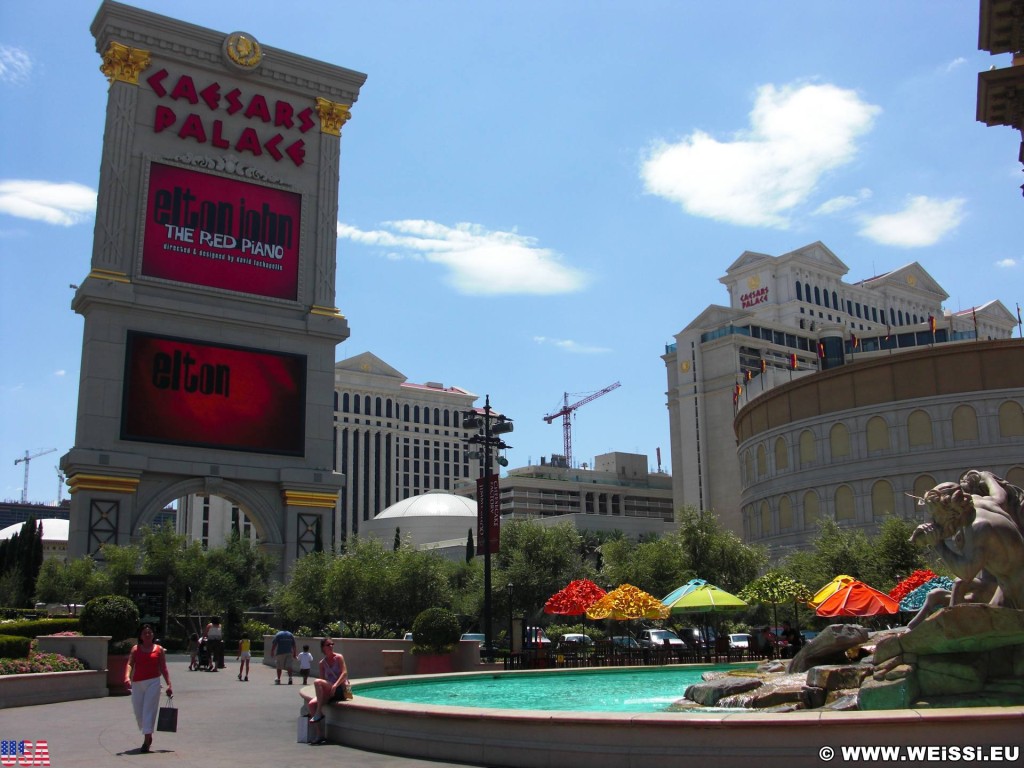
204 661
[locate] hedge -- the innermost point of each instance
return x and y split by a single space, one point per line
34 627
14 646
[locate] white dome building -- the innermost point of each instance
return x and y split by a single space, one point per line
433 520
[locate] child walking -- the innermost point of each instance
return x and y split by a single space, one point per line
305 664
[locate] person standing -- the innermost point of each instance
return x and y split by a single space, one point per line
283 651
147 663
243 655
305 664
215 635
332 685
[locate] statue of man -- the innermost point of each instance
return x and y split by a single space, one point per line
988 543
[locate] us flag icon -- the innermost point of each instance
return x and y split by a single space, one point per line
23 753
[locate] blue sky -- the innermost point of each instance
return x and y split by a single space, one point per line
536 196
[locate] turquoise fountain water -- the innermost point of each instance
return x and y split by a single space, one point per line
631 689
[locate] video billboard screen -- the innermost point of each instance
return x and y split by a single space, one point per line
219 232
194 393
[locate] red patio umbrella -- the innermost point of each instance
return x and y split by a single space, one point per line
574 599
858 599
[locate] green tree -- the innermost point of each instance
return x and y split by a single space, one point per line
303 599
775 588
237 577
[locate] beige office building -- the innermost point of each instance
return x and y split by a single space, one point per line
809 396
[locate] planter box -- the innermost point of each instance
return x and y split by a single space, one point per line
51 687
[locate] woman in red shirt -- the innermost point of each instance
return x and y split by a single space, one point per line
146 664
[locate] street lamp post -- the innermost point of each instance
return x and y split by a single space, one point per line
510 589
491 424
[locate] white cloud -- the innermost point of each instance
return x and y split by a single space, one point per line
956 63
797 133
15 65
923 221
54 203
60 373
1006 263
841 203
479 262
568 345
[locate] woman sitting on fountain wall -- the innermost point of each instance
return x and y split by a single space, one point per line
987 553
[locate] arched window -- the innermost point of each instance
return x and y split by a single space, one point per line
877 434
405 413
785 514
748 468
839 441
922 483
355 403
817 296
416 414
799 291
825 298
762 462
919 429
781 454
883 500
366 405
965 423
835 301
1011 419
766 519
1016 476
807 292
387 408
807 452
447 417
437 416
900 316
344 403
811 511
845 509
378 403
892 316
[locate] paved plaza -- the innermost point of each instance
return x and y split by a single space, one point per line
221 723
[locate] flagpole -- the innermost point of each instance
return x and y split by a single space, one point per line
1020 329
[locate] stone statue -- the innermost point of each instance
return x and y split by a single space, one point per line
977 529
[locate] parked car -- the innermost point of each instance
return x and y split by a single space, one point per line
659 638
476 636
536 638
408 636
740 642
623 641
575 641
694 637
808 635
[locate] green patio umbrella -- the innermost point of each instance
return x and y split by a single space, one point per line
706 598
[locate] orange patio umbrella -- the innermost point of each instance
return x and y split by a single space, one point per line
830 589
858 599
628 602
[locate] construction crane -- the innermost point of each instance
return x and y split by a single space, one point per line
566 411
28 458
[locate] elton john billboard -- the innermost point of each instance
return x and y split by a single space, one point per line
189 392
210 230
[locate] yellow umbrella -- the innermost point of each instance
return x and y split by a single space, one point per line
823 594
627 602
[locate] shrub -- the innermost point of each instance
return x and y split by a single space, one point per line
14 646
112 615
435 630
40 662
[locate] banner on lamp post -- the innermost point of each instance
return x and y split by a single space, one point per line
495 513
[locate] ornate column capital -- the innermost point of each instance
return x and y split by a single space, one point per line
332 116
124 64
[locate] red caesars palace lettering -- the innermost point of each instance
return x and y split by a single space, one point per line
196 109
754 297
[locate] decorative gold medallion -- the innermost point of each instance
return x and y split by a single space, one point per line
123 64
753 282
911 281
684 366
243 50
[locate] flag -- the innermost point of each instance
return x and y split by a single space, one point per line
17 752
1018 314
854 341
975 316
736 393
764 363
821 350
792 361
931 324
888 331
748 375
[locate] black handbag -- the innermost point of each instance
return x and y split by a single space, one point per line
167 719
